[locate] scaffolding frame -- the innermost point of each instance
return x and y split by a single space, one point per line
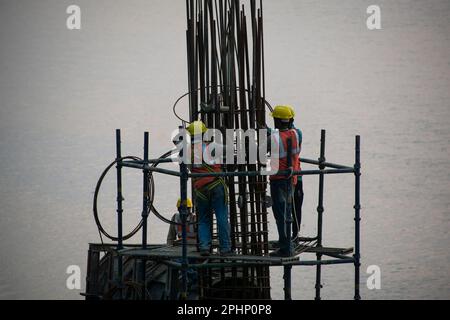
324 168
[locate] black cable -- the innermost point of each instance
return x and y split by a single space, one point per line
95 210
152 193
151 198
186 94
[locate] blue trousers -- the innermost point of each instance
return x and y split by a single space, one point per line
278 191
215 201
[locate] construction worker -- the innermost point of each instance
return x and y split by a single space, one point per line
283 119
210 194
175 234
175 230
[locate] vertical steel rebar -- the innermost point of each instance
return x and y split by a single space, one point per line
221 58
357 255
320 210
183 212
119 213
145 212
263 55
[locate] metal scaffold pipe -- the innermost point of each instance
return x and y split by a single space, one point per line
252 268
145 212
119 213
357 255
183 211
288 225
320 210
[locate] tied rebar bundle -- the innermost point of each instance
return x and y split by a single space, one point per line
225 58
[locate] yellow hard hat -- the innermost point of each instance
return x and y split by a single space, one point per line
188 203
292 110
283 112
197 127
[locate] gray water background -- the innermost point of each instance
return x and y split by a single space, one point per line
63 93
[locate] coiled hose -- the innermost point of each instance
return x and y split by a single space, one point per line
151 197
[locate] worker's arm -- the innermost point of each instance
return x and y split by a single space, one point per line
300 138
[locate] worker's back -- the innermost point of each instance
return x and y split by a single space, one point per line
281 138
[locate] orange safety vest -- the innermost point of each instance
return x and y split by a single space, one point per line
203 168
190 228
283 147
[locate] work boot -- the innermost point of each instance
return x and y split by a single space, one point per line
205 253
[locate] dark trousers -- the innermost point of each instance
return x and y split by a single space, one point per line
278 190
297 208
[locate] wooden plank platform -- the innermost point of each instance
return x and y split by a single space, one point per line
327 250
310 247
175 252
